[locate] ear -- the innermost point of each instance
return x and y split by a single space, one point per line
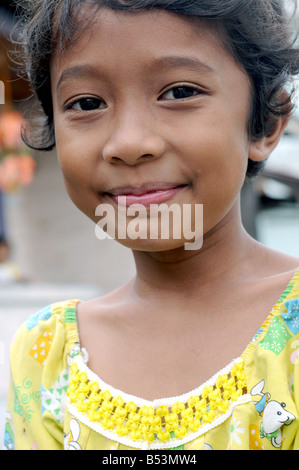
259 150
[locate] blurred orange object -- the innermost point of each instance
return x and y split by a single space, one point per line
16 164
10 130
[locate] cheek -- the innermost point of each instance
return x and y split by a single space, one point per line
219 160
78 169
75 156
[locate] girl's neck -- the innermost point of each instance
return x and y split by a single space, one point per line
227 252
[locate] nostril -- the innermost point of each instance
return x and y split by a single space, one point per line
116 159
133 161
146 156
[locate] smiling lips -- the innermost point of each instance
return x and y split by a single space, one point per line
145 194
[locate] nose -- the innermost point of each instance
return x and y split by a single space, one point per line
133 138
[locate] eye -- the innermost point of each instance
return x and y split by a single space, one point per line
180 93
86 104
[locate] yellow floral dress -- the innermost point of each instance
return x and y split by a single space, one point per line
56 402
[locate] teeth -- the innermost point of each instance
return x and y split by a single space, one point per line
149 192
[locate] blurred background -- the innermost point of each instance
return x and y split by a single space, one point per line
49 251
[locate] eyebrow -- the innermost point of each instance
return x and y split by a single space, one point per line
177 62
88 71
78 71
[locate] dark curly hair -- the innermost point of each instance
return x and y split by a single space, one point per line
258 33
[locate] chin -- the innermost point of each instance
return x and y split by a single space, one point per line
160 245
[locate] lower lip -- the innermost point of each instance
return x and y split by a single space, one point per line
147 199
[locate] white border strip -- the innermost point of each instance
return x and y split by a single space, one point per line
144 445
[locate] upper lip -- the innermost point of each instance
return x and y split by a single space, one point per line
142 189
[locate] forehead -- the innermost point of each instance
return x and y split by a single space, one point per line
86 16
143 30
141 44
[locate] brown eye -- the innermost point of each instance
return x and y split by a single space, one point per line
180 93
87 104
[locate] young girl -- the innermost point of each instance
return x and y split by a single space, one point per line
173 102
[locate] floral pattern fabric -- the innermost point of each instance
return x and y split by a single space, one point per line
56 402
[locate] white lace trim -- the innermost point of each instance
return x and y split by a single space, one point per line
81 363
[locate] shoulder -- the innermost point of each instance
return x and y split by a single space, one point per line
280 332
44 335
50 316
39 373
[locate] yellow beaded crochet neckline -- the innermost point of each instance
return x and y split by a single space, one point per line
158 424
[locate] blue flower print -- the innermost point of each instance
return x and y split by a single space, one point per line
43 314
291 317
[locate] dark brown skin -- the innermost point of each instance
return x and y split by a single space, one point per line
186 314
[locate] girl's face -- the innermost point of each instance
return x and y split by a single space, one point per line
151 98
